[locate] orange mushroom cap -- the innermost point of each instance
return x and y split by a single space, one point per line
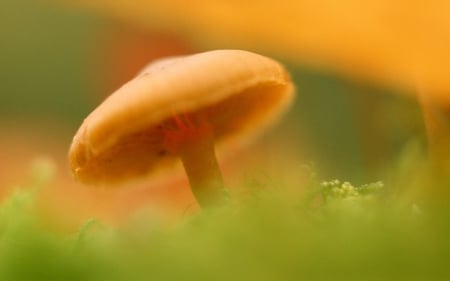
397 43
238 92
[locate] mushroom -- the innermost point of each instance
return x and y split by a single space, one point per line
393 43
181 108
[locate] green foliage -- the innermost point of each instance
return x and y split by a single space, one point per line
44 58
339 232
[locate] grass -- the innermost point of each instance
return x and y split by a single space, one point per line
336 231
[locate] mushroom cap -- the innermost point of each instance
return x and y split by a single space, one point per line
239 92
401 44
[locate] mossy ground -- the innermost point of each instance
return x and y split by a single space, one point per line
335 231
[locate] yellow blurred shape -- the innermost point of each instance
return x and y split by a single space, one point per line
400 43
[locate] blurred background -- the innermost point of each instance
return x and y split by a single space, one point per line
354 112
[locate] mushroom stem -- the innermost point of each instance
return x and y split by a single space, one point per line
191 137
438 136
203 171
432 120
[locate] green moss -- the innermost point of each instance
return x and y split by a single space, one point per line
358 234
